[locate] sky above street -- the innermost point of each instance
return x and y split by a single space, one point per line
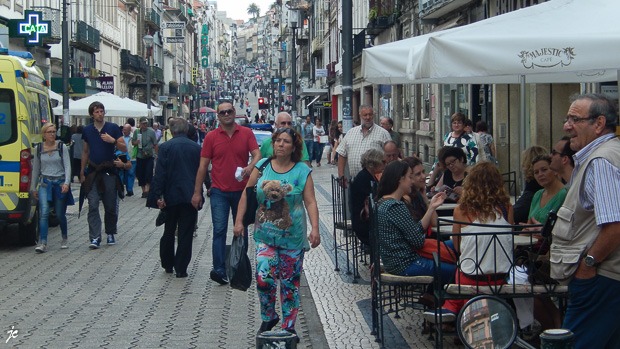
237 9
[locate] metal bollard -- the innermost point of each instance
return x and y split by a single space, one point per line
279 339
557 339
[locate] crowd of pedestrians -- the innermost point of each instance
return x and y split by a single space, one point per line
578 178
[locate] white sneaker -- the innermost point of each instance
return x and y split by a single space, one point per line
41 248
64 244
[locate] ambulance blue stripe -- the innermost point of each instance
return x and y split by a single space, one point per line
9 166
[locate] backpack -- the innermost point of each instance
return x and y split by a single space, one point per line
58 148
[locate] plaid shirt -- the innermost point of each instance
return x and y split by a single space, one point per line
355 143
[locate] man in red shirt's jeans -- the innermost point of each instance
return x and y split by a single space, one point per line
226 148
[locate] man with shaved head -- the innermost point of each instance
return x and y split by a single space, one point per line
283 119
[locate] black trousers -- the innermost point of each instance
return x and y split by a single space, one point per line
184 217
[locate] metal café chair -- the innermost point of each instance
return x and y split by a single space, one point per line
344 238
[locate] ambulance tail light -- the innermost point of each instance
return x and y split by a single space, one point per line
25 170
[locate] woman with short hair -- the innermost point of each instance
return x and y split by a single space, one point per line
361 188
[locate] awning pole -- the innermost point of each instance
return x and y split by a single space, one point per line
523 123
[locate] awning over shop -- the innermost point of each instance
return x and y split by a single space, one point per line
313 91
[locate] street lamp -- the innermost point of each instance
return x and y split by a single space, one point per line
294 15
180 66
148 43
281 60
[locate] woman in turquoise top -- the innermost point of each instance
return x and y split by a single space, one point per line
551 196
283 189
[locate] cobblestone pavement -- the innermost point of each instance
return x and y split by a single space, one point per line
120 297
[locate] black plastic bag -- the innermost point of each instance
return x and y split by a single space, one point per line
161 217
239 268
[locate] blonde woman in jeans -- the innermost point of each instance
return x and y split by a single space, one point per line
52 172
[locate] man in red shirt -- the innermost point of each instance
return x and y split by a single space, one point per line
226 148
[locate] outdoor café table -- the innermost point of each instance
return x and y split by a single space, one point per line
520 240
446 209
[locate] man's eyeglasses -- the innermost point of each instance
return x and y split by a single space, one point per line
571 120
227 111
289 123
555 152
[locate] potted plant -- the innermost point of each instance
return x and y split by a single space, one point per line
372 16
383 20
173 87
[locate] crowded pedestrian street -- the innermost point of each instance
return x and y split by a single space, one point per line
120 297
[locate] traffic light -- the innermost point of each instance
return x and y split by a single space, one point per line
281 108
261 103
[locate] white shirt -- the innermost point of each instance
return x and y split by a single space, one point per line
355 143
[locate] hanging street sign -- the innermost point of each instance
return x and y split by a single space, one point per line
175 25
175 39
32 28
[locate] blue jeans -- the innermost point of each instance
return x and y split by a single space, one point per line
60 207
425 267
317 151
592 312
128 177
310 147
222 202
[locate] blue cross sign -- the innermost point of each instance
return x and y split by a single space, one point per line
32 28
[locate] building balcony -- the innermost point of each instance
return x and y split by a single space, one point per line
152 19
435 9
359 43
157 74
316 47
303 36
132 63
52 15
132 3
184 89
182 12
85 37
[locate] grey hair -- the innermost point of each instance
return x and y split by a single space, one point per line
282 113
601 105
365 106
178 126
372 158
389 142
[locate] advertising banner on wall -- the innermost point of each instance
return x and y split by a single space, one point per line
107 84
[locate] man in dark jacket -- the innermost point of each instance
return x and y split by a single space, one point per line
171 191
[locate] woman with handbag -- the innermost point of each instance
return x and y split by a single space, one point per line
400 236
283 187
52 173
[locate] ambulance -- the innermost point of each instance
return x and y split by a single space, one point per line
24 108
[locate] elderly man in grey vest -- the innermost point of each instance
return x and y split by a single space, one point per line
585 251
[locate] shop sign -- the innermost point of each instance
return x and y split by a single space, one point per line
32 28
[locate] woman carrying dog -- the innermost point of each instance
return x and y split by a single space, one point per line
283 188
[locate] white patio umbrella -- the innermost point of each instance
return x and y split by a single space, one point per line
560 41
387 64
115 106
